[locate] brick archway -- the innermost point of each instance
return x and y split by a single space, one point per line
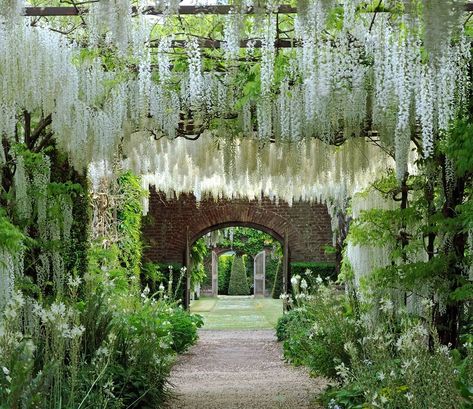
172 221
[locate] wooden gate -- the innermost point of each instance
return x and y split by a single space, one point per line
214 274
260 274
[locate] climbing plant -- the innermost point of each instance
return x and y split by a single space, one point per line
324 98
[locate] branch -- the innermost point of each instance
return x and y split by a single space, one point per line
375 14
27 117
45 122
44 143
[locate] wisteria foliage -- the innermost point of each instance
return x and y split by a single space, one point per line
372 76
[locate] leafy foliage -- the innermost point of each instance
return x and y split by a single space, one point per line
315 335
238 280
225 263
11 236
129 222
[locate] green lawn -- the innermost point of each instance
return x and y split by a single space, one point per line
238 312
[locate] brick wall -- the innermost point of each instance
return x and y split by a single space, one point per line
165 228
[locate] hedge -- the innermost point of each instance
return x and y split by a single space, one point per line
323 269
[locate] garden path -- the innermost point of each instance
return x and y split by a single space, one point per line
238 368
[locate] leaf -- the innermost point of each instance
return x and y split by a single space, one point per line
464 293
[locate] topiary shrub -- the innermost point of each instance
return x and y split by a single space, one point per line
248 262
224 271
238 280
278 284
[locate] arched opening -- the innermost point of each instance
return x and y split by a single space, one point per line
253 225
243 268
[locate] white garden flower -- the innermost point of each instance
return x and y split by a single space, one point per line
386 305
74 282
58 309
343 372
77 331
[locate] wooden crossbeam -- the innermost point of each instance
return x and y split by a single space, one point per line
183 10
51 11
209 43
152 11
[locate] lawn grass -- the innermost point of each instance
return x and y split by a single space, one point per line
238 312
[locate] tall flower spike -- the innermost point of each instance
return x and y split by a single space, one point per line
195 73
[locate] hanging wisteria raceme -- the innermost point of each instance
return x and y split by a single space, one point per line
232 34
111 20
164 62
195 84
11 268
368 77
11 10
309 170
441 18
169 7
268 54
364 259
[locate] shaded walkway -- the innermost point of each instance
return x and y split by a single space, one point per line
234 368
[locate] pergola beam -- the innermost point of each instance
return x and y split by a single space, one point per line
209 43
151 11
183 10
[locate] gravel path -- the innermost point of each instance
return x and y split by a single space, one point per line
240 370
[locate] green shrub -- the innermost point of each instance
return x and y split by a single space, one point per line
184 329
317 337
238 280
144 334
224 271
284 322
